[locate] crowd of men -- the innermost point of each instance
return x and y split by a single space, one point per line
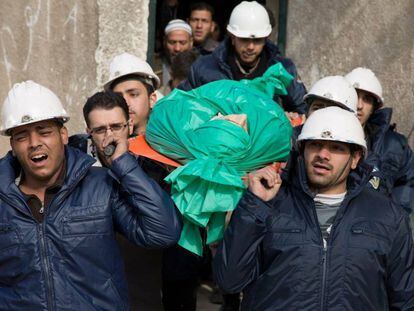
329 231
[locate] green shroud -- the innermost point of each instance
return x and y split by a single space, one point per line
216 153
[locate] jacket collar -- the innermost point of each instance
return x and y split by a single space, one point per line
381 117
77 164
378 124
221 53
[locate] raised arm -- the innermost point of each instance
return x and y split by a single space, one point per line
142 211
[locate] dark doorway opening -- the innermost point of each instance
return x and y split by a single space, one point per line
164 13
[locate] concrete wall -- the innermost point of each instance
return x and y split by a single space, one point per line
123 27
333 37
67 46
52 43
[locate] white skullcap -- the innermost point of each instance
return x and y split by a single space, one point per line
178 24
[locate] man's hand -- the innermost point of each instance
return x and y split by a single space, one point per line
265 183
121 146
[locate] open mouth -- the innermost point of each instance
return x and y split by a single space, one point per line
39 158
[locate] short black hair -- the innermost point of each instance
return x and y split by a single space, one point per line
146 82
104 100
356 148
202 6
181 64
272 19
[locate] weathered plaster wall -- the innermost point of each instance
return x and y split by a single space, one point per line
52 43
333 37
67 46
123 27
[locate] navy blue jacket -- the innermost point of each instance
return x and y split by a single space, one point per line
392 160
214 67
273 252
71 260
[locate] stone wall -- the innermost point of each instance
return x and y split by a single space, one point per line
67 46
123 27
332 37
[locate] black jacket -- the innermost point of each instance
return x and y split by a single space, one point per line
392 160
215 67
273 252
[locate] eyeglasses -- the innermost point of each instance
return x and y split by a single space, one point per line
115 128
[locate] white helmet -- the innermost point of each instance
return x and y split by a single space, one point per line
28 102
127 64
335 89
249 20
335 124
364 79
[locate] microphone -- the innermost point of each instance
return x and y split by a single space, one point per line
109 150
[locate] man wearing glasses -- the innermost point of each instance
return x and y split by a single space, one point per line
106 117
59 215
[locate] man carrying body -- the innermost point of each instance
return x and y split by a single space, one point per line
202 25
59 215
135 81
388 151
331 91
322 240
247 54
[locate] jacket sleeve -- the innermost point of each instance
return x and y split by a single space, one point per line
185 85
236 263
403 190
400 281
142 211
293 101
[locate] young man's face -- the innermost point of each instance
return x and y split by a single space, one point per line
319 103
201 23
104 122
328 164
39 147
366 106
139 102
177 41
248 49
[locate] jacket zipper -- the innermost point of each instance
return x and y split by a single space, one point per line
324 251
324 245
41 232
43 256
44 259
45 264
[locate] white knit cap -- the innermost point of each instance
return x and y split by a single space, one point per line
176 24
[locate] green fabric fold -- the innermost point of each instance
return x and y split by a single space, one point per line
215 153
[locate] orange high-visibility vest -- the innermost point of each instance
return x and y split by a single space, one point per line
139 146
